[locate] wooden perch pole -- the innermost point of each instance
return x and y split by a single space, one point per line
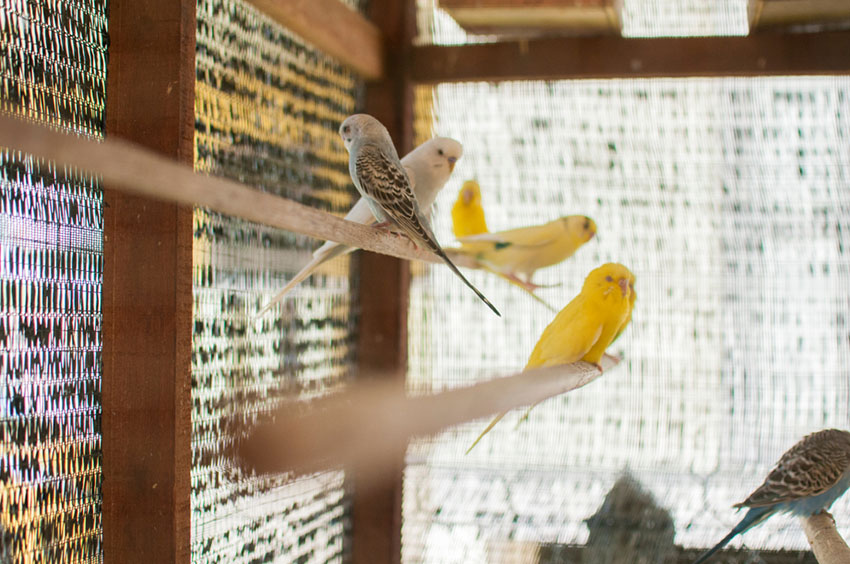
131 168
364 426
827 544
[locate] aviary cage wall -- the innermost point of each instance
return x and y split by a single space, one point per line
133 359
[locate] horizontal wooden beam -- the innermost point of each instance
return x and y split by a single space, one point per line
333 28
764 54
131 168
364 427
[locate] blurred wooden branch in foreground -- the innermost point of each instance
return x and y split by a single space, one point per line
131 168
361 428
827 544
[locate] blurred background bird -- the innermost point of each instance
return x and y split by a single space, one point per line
808 479
517 253
380 178
586 326
428 167
467 211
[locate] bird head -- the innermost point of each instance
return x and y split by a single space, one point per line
579 225
611 281
363 126
470 192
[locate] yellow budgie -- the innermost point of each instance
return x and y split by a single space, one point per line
467 213
586 326
517 253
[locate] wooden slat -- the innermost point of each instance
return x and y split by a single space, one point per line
529 18
384 297
131 168
365 426
333 28
147 292
766 54
776 13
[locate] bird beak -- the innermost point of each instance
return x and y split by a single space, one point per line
623 283
452 161
467 196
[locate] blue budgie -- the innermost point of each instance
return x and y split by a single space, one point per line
807 480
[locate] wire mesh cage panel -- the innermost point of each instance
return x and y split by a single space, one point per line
729 200
52 70
267 108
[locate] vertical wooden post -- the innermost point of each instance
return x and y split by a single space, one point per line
384 291
147 292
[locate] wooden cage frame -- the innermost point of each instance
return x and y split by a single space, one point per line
147 285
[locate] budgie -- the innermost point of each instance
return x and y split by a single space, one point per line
467 212
517 253
586 326
808 479
428 167
382 181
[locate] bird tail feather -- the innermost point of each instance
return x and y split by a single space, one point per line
323 254
753 517
440 253
487 430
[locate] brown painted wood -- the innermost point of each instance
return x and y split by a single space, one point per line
779 13
147 292
528 18
333 28
763 54
384 297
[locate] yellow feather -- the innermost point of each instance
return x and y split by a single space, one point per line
527 249
467 212
586 326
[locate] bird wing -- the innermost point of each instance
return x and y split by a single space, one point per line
534 236
385 181
568 337
808 469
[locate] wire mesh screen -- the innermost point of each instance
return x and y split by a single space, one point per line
52 70
267 111
729 200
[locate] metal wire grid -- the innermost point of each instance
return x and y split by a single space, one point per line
728 198
53 70
268 108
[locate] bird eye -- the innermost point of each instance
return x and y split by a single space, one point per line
346 129
440 152
609 279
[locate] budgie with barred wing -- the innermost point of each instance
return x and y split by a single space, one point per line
428 166
808 479
382 181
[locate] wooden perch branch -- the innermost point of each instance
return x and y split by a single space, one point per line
128 167
827 544
363 427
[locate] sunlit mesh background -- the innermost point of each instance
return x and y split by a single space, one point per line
267 110
52 70
729 200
